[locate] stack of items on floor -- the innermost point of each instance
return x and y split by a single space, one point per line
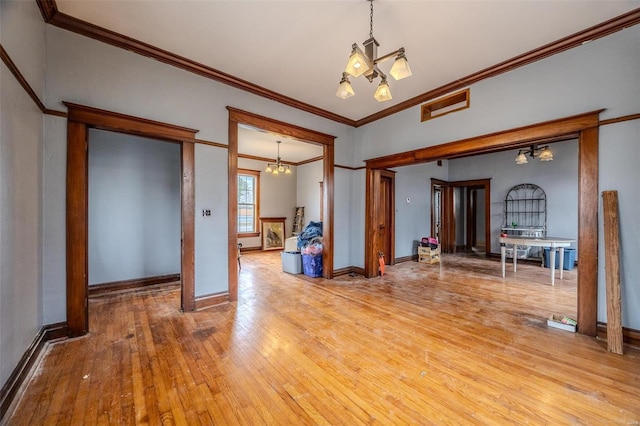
429 250
307 257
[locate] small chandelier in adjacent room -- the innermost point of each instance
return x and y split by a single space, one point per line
367 63
278 167
543 153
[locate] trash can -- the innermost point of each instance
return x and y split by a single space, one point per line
568 261
312 265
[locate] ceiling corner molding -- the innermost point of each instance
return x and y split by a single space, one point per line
603 29
48 9
52 16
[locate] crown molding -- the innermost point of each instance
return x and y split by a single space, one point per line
52 16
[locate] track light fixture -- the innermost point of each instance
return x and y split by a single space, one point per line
366 63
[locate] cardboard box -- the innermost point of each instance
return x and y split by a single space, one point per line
555 321
291 262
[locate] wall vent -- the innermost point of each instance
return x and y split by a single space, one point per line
451 103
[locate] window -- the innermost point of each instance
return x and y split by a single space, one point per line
248 205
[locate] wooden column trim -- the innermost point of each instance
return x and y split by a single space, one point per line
77 229
327 214
588 231
187 260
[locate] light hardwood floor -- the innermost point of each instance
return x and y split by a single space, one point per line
453 343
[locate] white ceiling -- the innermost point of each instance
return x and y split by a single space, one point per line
298 48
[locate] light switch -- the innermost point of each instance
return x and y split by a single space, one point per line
206 212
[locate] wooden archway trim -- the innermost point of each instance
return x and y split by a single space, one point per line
80 120
237 117
585 128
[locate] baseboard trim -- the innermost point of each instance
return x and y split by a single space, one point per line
19 375
211 300
111 287
248 249
406 258
630 336
348 270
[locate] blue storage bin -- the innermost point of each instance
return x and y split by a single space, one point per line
312 265
569 258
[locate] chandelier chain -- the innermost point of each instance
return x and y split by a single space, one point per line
371 20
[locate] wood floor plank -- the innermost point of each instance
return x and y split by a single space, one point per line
451 343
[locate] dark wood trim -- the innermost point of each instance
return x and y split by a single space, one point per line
629 117
577 39
22 370
188 207
348 270
250 249
48 9
586 126
630 336
211 300
413 257
350 168
25 85
429 111
310 160
248 235
237 117
493 142
588 201
282 128
216 144
77 228
80 119
54 17
117 122
115 286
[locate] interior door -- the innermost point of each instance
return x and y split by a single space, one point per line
385 215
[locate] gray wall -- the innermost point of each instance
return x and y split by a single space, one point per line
413 218
21 130
134 207
308 190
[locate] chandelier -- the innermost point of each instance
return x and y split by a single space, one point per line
278 167
367 63
543 153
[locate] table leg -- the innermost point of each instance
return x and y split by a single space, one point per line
515 257
552 264
561 254
502 257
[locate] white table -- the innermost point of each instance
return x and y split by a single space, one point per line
552 242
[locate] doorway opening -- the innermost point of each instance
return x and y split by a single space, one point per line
584 128
239 118
460 215
80 120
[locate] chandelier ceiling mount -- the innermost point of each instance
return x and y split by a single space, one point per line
366 63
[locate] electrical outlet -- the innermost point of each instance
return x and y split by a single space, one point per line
206 212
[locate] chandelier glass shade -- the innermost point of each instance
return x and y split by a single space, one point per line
543 154
366 63
278 167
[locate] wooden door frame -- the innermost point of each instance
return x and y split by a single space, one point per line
585 128
238 117
379 174
80 119
477 184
